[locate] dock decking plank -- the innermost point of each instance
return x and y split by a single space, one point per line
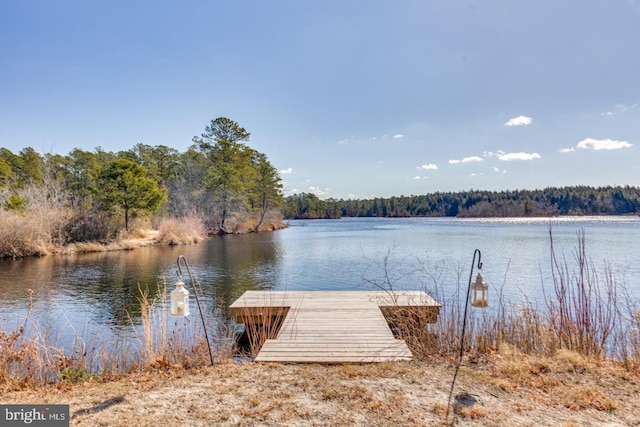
330 326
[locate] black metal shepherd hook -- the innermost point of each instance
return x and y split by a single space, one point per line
195 292
464 326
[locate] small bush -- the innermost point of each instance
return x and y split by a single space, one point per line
181 231
75 374
90 227
22 235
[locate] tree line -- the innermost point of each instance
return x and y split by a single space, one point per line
552 201
230 187
219 179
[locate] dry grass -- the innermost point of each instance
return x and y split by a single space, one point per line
31 357
35 360
566 378
168 341
506 386
127 241
86 247
262 324
181 231
246 222
48 230
586 310
26 234
400 393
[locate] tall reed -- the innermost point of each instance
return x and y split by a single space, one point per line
263 323
182 341
181 231
583 309
586 310
31 355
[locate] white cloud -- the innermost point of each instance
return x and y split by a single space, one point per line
507 157
492 153
430 166
287 171
398 136
318 191
343 141
602 144
566 150
472 159
519 121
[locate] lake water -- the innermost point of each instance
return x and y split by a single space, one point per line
98 293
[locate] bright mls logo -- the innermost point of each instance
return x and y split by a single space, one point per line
34 415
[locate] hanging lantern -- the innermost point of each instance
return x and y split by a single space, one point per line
180 300
480 294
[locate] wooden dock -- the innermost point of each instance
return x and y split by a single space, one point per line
331 326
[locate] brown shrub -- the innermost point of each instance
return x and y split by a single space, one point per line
25 234
181 231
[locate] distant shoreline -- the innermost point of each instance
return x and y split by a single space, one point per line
548 202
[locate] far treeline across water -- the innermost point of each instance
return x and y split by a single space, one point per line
580 200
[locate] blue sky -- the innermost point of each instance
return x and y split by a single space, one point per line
346 98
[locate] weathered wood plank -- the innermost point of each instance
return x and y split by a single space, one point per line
330 326
330 360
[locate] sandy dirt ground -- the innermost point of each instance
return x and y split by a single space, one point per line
513 391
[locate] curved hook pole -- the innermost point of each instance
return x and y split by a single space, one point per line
195 292
464 326
466 303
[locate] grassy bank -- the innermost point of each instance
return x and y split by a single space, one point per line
507 388
58 231
51 231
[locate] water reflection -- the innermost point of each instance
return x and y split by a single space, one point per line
99 293
105 287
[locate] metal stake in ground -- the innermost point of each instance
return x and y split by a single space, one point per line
479 299
183 310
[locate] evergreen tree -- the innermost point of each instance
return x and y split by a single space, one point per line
124 184
267 187
229 159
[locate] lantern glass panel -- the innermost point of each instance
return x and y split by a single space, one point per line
180 301
480 295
